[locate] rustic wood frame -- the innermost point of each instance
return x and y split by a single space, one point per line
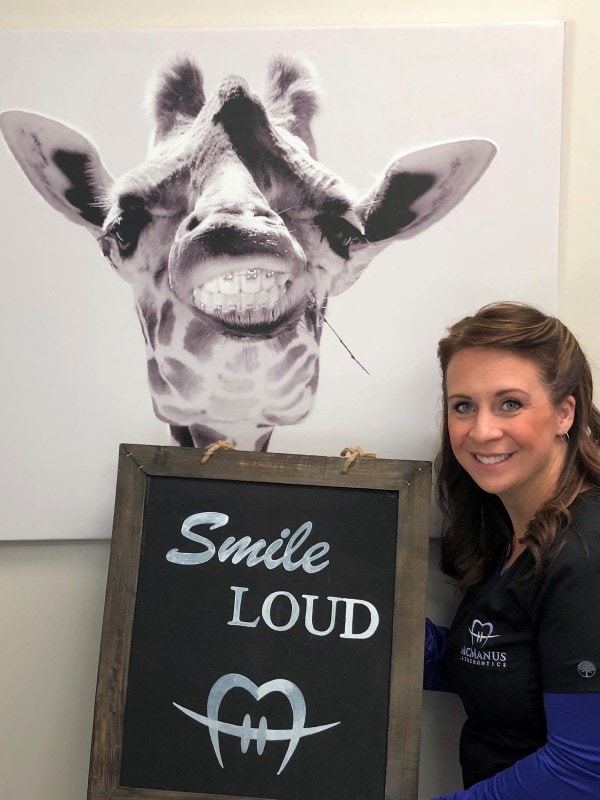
412 481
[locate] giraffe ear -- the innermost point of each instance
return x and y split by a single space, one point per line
419 189
62 164
292 96
415 192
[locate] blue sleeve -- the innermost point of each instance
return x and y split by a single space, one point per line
434 672
567 767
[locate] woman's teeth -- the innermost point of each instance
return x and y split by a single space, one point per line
492 459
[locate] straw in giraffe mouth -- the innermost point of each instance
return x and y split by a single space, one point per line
243 292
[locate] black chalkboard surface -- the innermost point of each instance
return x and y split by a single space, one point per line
263 628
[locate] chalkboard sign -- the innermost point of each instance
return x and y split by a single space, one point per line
263 628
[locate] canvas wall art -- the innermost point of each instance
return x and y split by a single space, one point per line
256 235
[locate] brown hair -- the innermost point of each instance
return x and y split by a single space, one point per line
476 525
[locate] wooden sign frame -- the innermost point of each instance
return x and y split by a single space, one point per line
138 464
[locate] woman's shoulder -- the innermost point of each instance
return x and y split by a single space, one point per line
585 513
579 541
569 587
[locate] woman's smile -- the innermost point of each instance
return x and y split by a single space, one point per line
490 460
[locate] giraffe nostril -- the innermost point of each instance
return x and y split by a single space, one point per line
192 224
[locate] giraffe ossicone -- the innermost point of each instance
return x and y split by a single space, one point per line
233 237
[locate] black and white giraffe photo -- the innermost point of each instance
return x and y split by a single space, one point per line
261 236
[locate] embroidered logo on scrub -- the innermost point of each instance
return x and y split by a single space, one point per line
478 654
587 669
481 633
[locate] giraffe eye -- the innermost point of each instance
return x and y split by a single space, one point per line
127 227
340 233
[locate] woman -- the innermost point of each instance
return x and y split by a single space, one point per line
519 488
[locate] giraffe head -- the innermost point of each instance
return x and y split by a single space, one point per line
232 230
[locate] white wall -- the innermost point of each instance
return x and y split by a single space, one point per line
51 594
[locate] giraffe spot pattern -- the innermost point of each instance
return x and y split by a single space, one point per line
167 323
181 434
314 381
263 441
197 340
301 375
160 277
182 378
203 435
292 419
148 312
156 380
285 338
272 410
282 368
173 415
142 325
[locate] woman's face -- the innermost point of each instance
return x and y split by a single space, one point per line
503 427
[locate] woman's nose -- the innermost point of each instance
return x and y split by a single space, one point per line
485 427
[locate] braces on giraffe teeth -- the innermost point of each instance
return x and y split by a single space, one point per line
232 293
250 281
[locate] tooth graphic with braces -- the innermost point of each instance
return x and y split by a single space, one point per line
245 732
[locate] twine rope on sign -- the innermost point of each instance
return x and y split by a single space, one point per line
352 454
222 444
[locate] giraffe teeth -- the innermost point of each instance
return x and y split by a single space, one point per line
229 284
250 282
213 285
268 281
249 291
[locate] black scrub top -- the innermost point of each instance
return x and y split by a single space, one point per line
516 637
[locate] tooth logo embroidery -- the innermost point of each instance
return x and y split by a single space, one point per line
477 653
245 732
481 633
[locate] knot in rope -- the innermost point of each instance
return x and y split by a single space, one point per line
352 454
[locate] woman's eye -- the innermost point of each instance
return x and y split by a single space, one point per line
463 407
511 405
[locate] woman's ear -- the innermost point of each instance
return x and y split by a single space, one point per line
566 414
